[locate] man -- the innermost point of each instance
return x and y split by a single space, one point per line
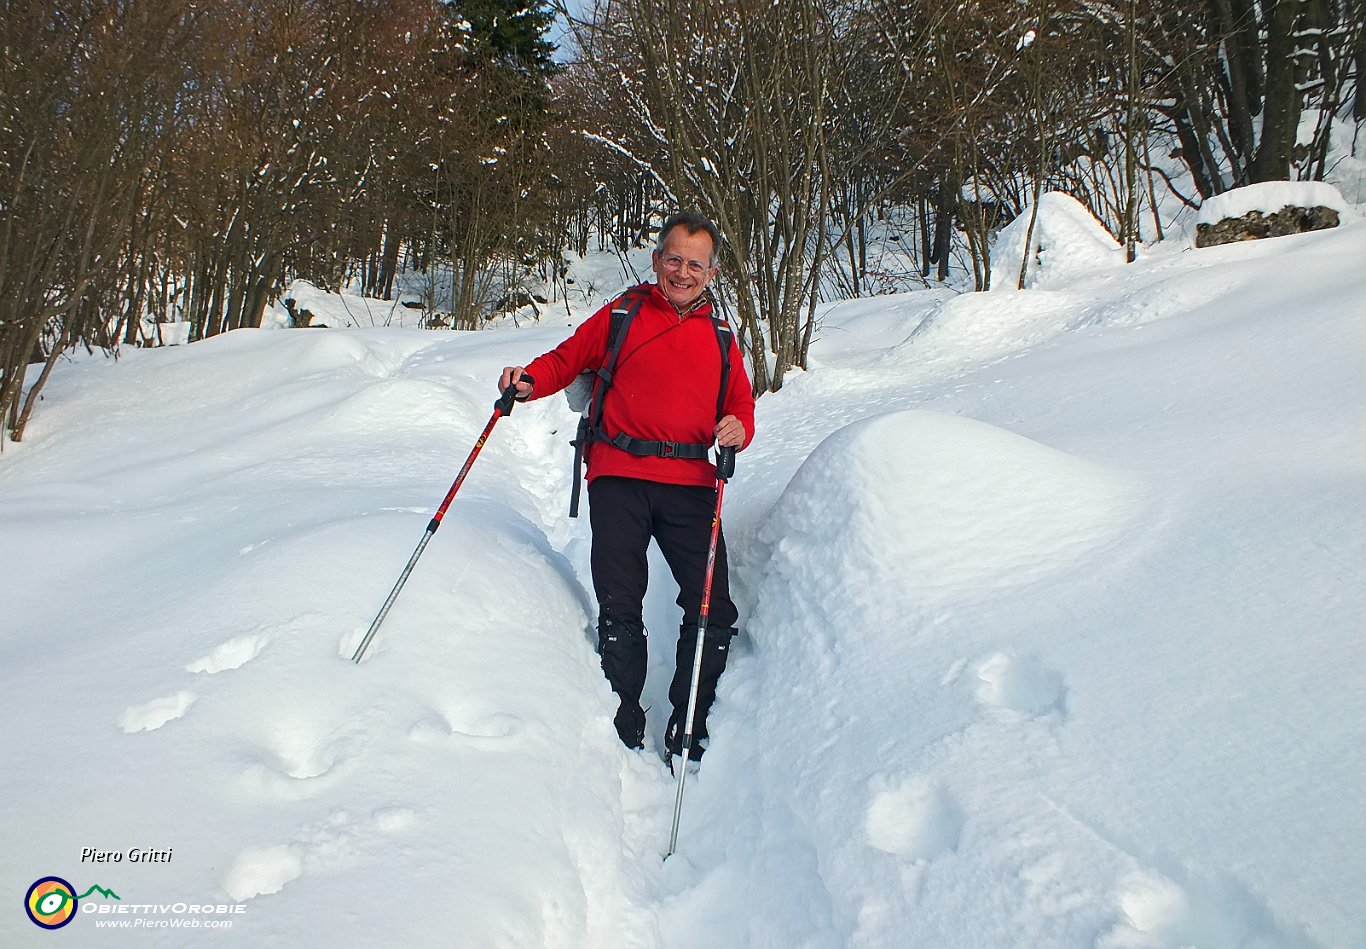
664 398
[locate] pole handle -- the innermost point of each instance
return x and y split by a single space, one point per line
725 463
509 396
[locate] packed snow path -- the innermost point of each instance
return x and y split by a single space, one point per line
1053 609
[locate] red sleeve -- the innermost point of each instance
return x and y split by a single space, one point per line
583 351
739 400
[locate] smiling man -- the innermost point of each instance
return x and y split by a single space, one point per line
678 385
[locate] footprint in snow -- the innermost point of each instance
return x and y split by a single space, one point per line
1211 908
152 715
232 654
325 846
467 726
298 766
393 819
917 819
261 871
1021 685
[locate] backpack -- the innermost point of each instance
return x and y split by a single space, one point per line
587 392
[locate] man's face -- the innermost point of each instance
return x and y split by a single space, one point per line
684 266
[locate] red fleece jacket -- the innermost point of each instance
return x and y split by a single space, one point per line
664 387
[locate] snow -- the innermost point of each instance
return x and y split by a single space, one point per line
1052 607
1067 242
339 310
1269 197
1345 170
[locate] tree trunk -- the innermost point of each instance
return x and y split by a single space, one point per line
1359 58
1281 113
21 421
389 262
926 247
943 226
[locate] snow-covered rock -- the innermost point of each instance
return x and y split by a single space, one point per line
1268 209
1066 242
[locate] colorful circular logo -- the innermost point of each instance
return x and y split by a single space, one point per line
51 902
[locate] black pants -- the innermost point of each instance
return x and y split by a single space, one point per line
625 513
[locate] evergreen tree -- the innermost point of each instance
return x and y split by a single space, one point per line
509 34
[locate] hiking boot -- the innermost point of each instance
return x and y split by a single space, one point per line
630 723
694 765
673 743
622 649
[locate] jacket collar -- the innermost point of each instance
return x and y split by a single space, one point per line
702 306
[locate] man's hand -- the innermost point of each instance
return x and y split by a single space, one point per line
513 374
730 433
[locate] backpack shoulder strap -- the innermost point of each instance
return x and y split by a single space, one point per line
622 314
724 335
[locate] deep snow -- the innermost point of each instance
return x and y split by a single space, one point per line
1053 609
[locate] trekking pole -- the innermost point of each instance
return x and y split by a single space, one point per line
725 469
500 408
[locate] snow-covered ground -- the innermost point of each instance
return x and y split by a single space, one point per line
1053 610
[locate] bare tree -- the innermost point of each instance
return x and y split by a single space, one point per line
1239 76
89 103
728 101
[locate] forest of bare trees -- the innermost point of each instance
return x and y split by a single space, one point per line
185 160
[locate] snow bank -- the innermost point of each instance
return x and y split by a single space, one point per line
1084 759
1067 242
891 527
263 498
978 507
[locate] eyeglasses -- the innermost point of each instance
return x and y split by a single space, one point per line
674 262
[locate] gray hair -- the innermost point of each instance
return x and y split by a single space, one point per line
692 222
